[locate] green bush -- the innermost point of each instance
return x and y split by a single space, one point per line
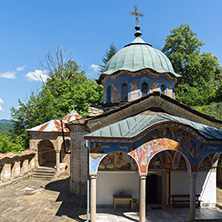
11 142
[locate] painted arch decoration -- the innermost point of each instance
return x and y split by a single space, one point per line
186 141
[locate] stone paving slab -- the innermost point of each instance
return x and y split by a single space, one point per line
36 200
167 214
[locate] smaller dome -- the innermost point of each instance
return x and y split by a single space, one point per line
139 55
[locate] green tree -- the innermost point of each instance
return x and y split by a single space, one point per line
10 142
200 72
66 85
108 55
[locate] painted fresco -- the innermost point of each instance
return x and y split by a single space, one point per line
154 86
170 90
115 92
117 161
167 136
134 85
134 91
205 164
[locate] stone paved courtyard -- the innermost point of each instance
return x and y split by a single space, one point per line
35 200
40 201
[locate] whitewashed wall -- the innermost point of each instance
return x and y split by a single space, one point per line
205 185
112 183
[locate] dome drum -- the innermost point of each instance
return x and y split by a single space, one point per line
128 87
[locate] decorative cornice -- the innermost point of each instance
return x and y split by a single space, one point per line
102 79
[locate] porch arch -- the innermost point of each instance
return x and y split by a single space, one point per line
188 166
46 153
144 153
105 155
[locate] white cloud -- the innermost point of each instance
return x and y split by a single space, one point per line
95 68
37 75
20 68
1 101
8 75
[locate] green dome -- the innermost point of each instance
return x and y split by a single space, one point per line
139 55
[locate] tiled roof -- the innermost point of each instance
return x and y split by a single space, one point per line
55 125
12 155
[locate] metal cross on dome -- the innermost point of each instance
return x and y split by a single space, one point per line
137 14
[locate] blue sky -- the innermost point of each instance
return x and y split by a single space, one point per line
86 29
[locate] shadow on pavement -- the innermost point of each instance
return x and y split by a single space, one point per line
72 206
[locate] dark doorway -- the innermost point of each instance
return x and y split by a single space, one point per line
153 189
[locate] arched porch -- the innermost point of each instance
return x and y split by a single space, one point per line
172 138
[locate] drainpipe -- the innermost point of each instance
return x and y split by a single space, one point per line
87 147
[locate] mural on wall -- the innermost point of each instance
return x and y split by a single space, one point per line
169 90
191 147
205 164
134 91
117 161
154 86
145 152
115 92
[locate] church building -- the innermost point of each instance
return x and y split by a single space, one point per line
144 144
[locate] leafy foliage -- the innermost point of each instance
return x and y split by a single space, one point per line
201 73
213 109
10 142
108 55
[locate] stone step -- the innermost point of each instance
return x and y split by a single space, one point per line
45 169
44 173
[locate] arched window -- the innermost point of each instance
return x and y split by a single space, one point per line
124 91
144 88
108 94
163 89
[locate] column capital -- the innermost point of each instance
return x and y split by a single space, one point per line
93 176
167 170
193 174
143 175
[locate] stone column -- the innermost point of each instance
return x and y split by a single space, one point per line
57 159
142 198
193 176
93 198
167 186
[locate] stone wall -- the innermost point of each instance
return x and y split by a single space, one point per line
16 165
78 160
56 140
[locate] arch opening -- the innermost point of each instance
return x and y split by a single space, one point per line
117 174
144 88
46 154
124 91
108 94
163 169
163 89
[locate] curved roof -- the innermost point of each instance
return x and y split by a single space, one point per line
139 55
133 126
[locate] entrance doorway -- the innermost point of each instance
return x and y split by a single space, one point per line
154 189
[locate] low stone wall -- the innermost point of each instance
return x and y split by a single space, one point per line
15 165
